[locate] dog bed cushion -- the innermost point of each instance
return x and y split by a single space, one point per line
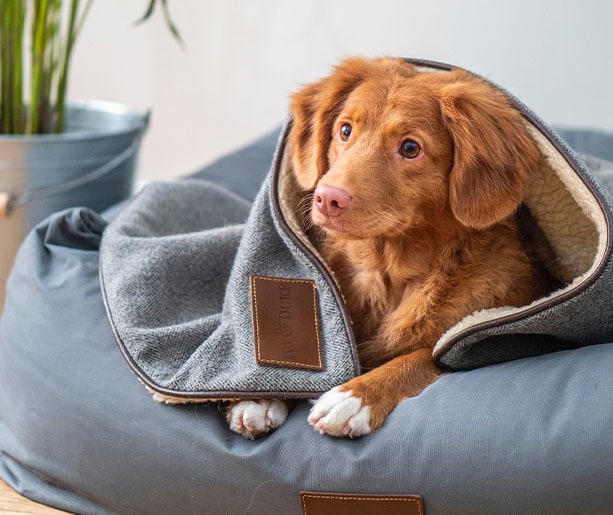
79 432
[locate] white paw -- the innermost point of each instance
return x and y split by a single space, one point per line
256 418
340 414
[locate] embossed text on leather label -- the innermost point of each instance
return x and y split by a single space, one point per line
285 322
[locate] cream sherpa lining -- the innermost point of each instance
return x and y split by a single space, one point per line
573 223
562 205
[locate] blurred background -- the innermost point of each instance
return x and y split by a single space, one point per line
230 83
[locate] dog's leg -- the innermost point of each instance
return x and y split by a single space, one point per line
361 405
253 418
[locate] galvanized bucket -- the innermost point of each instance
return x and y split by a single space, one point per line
92 164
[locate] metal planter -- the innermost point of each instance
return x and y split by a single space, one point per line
92 164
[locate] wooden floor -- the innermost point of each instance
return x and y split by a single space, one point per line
11 503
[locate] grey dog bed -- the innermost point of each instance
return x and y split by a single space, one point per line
79 432
180 274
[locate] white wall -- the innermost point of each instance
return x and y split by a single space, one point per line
244 57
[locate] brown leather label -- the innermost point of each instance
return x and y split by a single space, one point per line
285 322
316 503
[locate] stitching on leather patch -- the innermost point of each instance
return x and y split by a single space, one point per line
285 322
316 503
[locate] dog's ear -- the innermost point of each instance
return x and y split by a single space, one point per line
314 110
309 141
494 156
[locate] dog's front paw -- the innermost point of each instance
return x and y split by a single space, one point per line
256 418
339 413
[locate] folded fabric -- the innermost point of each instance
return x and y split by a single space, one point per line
178 267
211 298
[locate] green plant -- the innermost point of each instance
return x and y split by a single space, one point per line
49 29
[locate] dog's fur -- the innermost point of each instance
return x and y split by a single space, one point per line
416 241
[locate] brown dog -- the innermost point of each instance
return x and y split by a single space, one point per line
416 179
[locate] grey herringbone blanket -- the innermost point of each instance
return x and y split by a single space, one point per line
176 270
211 297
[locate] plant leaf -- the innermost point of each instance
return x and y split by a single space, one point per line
148 13
171 26
169 23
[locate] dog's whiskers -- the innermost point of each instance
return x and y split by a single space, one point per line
303 212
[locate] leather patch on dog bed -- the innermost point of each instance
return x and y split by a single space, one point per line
285 322
314 503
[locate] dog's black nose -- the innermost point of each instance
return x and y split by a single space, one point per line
330 200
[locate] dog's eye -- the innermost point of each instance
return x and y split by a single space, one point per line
410 149
345 131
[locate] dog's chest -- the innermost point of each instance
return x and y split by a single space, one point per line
370 292
372 282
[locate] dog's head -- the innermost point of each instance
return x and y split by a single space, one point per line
386 147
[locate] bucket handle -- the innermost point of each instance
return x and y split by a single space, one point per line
5 199
8 202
